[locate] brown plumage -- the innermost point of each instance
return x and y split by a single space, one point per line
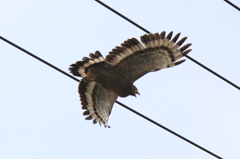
104 79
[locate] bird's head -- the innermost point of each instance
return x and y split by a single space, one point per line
134 91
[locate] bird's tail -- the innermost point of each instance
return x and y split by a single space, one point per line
80 67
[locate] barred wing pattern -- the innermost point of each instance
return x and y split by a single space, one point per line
134 59
97 101
125 63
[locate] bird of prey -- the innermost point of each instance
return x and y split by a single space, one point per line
106 79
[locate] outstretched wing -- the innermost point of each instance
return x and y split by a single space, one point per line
134 59
97 101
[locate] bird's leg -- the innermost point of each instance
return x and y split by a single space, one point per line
90 77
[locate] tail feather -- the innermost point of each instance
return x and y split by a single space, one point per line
80 67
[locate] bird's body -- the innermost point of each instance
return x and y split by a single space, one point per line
109 78
104 79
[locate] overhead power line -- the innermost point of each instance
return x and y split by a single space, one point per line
139 114
123 105
232 4
38 58
172 132
190 58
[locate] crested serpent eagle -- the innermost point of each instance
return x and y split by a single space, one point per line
104 79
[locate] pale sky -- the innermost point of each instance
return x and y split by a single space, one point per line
40 111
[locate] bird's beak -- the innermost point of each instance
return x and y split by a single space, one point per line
136 92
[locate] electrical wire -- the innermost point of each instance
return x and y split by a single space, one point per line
190 58
38 58
172 132
139 114
123 105
233 5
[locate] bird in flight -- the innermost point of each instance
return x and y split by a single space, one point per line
106 79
